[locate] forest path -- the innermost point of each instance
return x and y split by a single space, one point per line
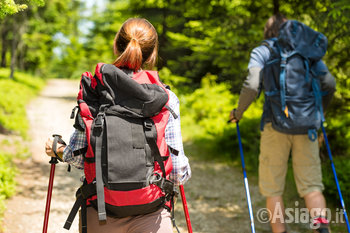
215 193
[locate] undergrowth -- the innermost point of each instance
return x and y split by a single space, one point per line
15 94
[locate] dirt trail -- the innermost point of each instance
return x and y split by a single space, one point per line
215 193
48 114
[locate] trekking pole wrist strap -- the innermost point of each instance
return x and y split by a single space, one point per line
57 139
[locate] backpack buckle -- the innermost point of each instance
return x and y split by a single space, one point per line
148 124
99 120
283 62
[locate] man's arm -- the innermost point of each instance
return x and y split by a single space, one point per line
250 88
249 91
328 84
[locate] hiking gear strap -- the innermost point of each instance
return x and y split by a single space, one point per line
83 193
83 217
81 151
173 214
79 201
57 139
171 111
101 207
151 135
283 81
173 151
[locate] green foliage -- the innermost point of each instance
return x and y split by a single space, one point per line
178 84
10 148
204 115
9 7
16 94
7 182
342 166
209 105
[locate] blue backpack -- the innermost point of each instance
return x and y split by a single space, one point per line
293 98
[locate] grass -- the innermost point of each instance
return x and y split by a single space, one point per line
15 95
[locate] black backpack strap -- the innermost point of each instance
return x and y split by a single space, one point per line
151 138
83 193
171 111
270 43
173 214
83 217
173 151
81 151
77 204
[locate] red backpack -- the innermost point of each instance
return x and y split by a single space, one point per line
127 161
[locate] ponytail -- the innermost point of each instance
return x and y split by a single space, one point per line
136 45
131 57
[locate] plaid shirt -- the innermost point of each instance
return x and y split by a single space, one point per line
181 169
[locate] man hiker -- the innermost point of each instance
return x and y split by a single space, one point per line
281 133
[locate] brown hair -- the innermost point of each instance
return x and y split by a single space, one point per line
136 45
273 25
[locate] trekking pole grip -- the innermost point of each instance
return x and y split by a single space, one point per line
56 139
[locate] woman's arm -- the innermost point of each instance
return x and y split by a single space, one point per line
181 169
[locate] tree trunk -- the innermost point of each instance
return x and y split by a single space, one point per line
276 7
3 53
13 52
4 42
163 38
18 30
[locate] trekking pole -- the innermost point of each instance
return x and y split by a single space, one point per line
245 180
53 162
335 177
184 204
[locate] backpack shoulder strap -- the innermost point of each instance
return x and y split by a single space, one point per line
270 43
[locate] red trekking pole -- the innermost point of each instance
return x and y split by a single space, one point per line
53 162
184 204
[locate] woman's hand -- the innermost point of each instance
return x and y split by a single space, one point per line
49 150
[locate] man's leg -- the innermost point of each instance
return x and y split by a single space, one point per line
273 165
316 204
276 209
308 178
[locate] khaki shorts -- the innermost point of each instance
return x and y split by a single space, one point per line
275 148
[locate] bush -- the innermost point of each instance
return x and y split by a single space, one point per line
342 166
205 113
7 175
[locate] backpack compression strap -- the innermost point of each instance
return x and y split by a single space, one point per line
101 206
283 82
151 137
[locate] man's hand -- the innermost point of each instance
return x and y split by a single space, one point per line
49 150
233 118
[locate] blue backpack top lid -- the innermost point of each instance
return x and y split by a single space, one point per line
293 101
296 36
